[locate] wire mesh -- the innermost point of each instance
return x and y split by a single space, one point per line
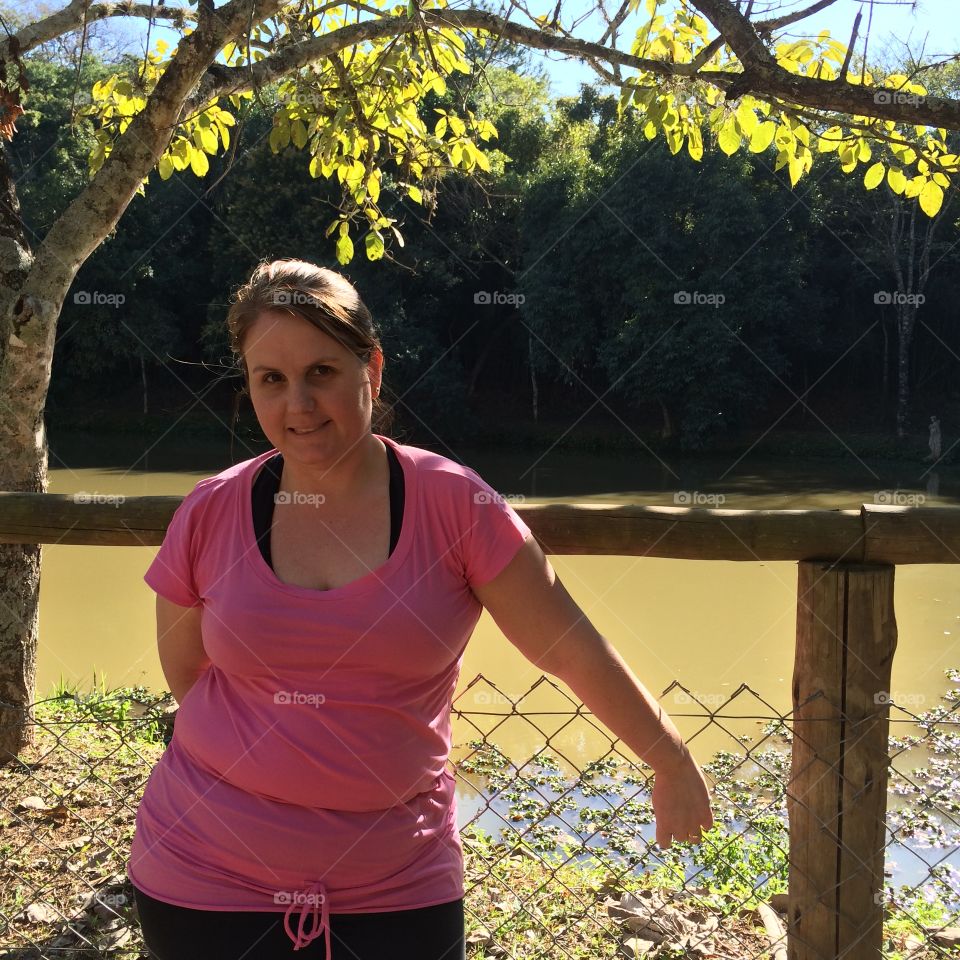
556 823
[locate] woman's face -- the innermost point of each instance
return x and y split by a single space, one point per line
302 379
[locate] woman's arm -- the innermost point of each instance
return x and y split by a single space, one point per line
180 646
533 609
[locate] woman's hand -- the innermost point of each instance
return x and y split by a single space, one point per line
681 802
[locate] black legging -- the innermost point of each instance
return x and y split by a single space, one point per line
181 933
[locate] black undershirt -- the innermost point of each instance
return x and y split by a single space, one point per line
268 483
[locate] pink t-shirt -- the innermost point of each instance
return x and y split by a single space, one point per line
308 763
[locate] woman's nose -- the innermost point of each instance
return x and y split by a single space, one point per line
299 396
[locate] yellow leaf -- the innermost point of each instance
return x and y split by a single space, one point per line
208 139
931 198
166 168
695 143
873 176
913 187
729 139
199 163
896 179
762 136
831 139
747 118
796 169
373 187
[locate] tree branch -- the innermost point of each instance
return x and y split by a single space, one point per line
763 77
70 18
768 26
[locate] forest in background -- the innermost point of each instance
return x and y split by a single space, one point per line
590 276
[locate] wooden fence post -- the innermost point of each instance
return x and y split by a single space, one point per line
837 798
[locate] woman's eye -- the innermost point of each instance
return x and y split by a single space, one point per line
322 367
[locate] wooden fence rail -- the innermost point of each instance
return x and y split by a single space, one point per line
846 638
876 533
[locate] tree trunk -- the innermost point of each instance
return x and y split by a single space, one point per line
885 385
533 378
33 286
666 431
484 356
23 468
905 318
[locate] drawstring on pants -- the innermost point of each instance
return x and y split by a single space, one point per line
301 939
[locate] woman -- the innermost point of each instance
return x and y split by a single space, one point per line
313 606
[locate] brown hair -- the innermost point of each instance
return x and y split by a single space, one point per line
323 297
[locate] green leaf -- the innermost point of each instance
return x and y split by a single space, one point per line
374 244
166 168
344 249
874 176
298 133
931 198
414 194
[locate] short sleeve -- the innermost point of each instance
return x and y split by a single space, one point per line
172 572
495 532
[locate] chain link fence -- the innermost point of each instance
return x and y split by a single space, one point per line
556 823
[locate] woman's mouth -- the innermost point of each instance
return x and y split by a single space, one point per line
306 431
